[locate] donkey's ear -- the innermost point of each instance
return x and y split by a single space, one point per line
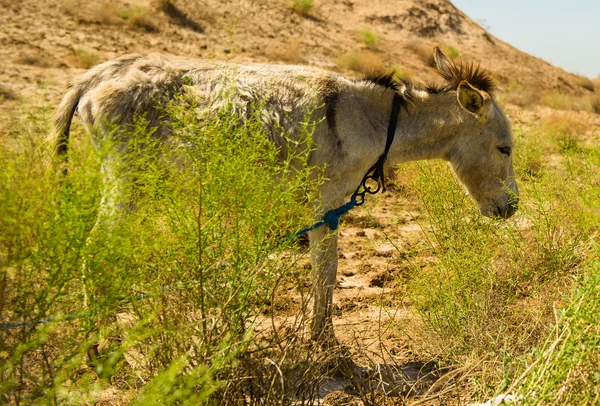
443 63
471 98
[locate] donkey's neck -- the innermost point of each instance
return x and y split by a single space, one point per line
423 132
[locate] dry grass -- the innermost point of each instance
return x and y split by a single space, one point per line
86 57
524 98
290 52
365 62
138 17
34 60
561 101
517 94
561 123
587 83
106 14
135 17
521 96
595 104
425 52
565 130
7 94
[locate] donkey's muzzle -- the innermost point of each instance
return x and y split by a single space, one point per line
511 208
504 211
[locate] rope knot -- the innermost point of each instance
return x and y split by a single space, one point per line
332 217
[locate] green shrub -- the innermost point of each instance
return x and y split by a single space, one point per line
302 7
451 51
165 298
368 36
490 288
564 371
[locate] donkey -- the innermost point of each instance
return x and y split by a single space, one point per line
458 121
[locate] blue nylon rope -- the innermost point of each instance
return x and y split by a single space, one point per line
331 218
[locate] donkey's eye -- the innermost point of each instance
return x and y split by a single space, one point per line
504 150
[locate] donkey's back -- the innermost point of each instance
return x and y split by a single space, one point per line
117 91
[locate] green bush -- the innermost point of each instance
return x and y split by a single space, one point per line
164 298
451 51
368 36
564 371
490 289
302 7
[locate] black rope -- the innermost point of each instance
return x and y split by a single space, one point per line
376 173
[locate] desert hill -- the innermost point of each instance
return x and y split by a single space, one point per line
45 44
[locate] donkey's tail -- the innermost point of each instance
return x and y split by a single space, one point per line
58 139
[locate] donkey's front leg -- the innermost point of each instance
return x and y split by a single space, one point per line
323 242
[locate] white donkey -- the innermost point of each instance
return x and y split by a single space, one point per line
459 122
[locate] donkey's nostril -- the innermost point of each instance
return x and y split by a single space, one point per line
511 208
513 204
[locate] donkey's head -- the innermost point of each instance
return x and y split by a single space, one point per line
481 155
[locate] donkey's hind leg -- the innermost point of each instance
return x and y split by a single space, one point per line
113 205
109 210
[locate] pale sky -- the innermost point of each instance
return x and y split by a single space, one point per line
563 32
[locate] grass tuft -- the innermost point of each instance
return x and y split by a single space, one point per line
302 7
423 51
138 17
86 57
7 94
368 36
564 370
451 51
290 52
366 62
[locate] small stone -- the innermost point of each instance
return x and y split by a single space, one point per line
385 250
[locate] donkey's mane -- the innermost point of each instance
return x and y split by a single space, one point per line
387 80
477 77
